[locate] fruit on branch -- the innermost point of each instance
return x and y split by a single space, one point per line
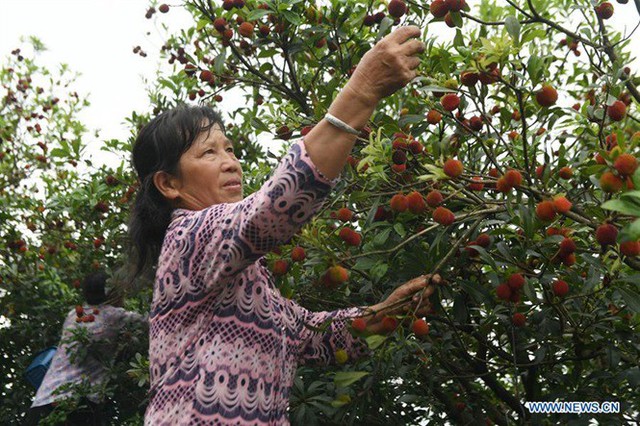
453 168
284 133
399 157
469 78
560 288
630 248
567 246
513 178
399 203
164 8
415 203
565 172
397 8
246 29
610 183
344 214
450 102
420 327
336 275
502 185
438 8
298 254
220 24
389 324
518 319
280 267
626 164
359 325
606 234
433 117
604 10
545 210
561 204
547 96
617 111
351 237
434 198
455 5
503 291
516 281
443 216
477 185
483 240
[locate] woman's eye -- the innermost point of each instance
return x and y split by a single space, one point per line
229 149
209 151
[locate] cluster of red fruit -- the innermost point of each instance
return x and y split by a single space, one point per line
625 165
82 316
546 210
443 8
18 245
511 289
401 145
419 326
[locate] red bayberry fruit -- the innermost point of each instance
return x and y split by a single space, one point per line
561 204
453 168
298 254
420 327
518 319
560 288
547 96
606 234
450 101
626 164
617 111
434 198
516 281
443 216
630 248
503 291
545 210
359 325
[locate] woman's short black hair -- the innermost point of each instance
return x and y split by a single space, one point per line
158 147
93 288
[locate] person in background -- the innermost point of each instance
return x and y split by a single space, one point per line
224 343
73 365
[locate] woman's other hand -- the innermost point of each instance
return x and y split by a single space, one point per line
411 297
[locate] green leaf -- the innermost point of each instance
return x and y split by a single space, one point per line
631 298
623 206
218 64
399 228
375 340
257 14
631 232
381 238
513 28
343 379
292 17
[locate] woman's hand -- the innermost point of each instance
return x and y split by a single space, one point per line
410 297
388 66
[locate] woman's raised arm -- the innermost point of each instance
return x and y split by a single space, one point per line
384 69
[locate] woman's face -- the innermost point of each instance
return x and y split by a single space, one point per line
210 173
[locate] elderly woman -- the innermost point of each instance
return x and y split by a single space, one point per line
224 344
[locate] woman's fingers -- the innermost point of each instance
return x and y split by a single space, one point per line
412 47
402 34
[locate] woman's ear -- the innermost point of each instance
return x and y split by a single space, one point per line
167 184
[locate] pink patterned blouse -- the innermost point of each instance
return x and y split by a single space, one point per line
224 344
108 321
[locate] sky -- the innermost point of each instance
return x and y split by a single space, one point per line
96 39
